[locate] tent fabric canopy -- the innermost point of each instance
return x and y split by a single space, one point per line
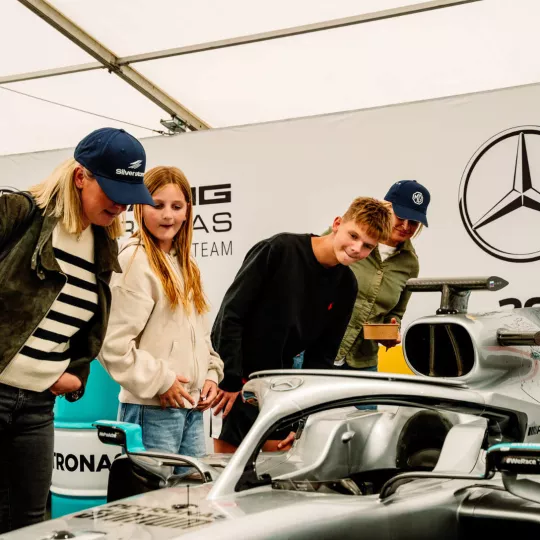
468 47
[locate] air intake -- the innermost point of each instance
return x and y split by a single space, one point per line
439 349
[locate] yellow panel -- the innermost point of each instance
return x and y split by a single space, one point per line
393 361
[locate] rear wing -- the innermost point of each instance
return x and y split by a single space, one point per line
455 291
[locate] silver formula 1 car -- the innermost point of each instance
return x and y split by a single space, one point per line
375 455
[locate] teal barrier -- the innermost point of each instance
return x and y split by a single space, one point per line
99 402
62 505
81 461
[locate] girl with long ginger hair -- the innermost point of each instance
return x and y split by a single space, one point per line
157 345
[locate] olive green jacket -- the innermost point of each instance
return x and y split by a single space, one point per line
31 280
381 297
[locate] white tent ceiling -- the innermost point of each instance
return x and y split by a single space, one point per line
465 48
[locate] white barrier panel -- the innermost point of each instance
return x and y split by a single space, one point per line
81 463
470 151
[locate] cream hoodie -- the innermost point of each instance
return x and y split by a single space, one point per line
147 344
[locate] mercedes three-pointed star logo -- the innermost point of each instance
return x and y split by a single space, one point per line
483 176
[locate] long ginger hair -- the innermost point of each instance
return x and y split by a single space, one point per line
178 291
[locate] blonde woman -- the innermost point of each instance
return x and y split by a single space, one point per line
157 345
58 254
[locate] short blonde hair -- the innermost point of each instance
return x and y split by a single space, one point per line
58 196
372 214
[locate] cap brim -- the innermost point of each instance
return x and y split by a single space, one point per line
408 213
124 192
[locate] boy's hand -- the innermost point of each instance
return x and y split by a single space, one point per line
287 442
224 401
65 384
208 394
175 395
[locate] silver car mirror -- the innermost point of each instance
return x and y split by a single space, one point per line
153 460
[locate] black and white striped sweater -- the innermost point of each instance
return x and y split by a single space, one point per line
46 354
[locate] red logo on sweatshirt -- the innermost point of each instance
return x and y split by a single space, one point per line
330 305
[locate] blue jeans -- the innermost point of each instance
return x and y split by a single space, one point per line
26 455
298 360
179 431
346 367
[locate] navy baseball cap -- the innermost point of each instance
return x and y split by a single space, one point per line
410 200
117 160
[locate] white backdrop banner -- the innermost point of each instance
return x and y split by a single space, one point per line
479 155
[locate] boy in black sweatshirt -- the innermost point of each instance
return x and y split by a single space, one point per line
293 293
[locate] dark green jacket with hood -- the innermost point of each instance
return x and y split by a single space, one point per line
31 280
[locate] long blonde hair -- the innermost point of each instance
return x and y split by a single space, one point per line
58 196
155 179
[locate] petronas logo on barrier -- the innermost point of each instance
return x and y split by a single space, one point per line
82 462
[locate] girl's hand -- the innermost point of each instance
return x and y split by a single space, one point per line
65 384
175 395
208 394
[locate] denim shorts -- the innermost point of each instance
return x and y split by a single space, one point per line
179 431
